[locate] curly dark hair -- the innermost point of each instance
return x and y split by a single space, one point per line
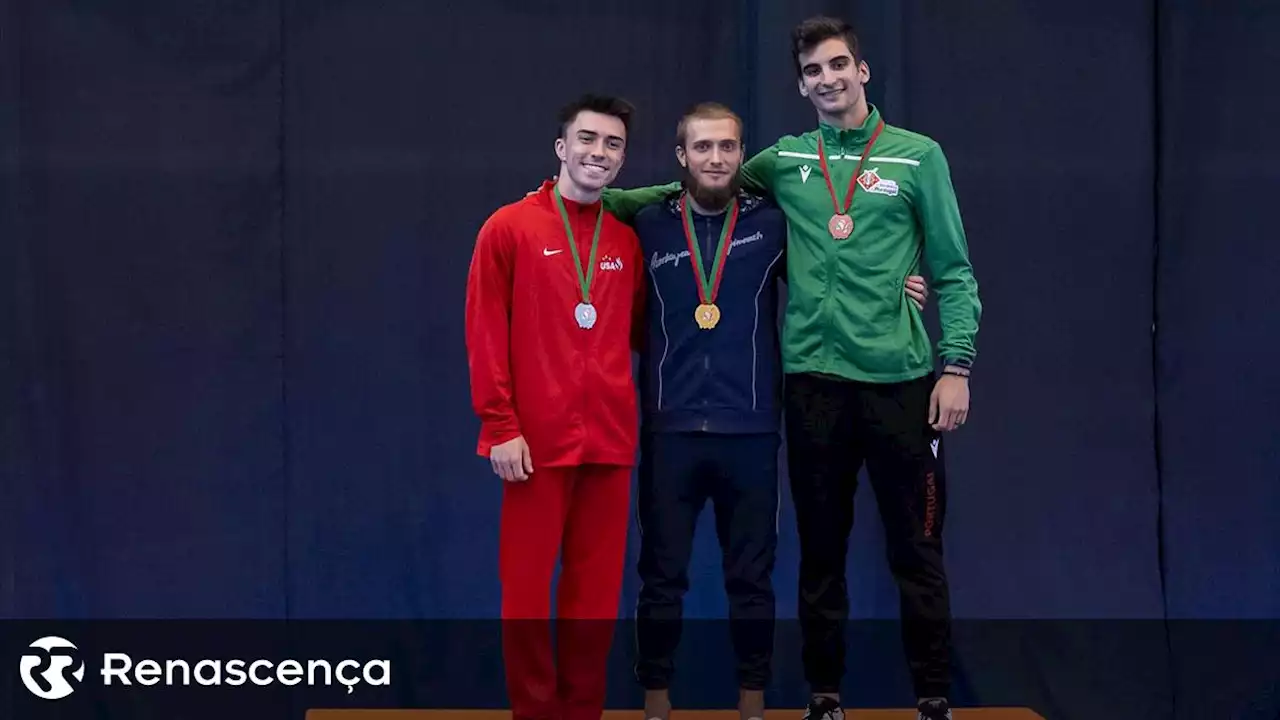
816 30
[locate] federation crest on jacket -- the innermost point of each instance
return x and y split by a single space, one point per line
710 360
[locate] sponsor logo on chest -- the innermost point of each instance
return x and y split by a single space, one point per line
608 263
871 182
870 179
673 259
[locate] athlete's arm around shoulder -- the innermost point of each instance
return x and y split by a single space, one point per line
759 172
490 288
946 254
625 204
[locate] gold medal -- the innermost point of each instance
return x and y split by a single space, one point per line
707 316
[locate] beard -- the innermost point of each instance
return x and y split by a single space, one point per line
714 199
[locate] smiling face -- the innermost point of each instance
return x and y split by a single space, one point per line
711 154
833 80
592 150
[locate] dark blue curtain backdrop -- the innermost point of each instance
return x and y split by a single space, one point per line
11 320
233 244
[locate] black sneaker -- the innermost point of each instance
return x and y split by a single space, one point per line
823 708
935 709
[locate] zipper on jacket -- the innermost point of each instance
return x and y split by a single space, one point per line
828 301
709 251
708 261
706 387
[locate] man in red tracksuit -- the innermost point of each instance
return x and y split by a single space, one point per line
554 290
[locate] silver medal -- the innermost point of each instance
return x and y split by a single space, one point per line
585 314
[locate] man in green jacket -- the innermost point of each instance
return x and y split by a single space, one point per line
866 203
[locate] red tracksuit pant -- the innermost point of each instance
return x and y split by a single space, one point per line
578 515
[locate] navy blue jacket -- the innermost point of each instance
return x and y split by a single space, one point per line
727 379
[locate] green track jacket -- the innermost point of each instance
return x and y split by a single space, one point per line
847 314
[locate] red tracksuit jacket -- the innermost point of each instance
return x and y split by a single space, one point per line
534 372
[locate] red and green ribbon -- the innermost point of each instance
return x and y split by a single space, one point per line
853 181
708 288
584 276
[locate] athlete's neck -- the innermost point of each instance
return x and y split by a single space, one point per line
702 209
851 118
571 191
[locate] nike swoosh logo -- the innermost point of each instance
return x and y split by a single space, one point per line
549 253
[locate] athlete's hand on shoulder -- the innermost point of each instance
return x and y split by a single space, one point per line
511 460
554 178
918 291
949 404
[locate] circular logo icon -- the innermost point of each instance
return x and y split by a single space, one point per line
50 665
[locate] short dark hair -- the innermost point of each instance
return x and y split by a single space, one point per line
603 104
705 111
816 30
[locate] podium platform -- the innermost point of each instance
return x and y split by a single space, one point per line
777 714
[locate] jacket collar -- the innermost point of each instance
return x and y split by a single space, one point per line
841 137
572 207
746 202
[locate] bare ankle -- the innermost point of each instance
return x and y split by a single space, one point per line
657 704
750 704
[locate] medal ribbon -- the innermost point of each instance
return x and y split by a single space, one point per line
584 279
853 181
707 290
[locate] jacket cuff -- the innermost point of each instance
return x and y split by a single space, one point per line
496 432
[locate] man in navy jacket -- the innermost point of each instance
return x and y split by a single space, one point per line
711 382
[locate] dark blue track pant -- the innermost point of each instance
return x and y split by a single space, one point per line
679 473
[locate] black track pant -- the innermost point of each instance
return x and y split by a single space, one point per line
679 473
833 426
